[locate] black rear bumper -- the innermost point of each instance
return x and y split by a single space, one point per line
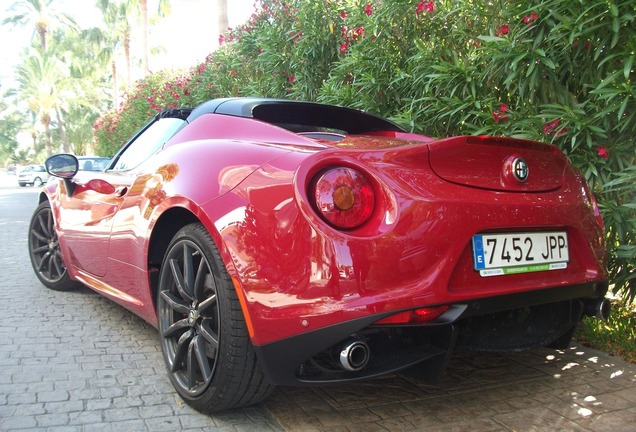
512 322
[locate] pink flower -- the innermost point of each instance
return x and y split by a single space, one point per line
428 6
292 78
501 114
548 128
529 18
603 152
368 9
358 33
502 31
551 129
343 48
343 15
297 36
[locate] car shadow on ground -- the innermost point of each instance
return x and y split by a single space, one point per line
541 389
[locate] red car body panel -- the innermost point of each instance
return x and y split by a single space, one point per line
248 182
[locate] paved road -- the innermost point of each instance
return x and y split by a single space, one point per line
78 362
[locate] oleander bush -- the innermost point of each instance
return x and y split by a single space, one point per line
558 71
617 335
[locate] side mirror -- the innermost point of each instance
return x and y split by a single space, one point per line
62 165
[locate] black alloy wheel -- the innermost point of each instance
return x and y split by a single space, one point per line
44 250
208 353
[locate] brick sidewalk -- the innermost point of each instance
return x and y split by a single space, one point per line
78 362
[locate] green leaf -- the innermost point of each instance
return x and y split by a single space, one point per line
621 110
549 63
491 38
614 10
627 68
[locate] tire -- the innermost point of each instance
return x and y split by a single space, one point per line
210 359
22 184
44 251
37 182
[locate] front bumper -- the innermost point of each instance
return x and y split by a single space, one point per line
504 323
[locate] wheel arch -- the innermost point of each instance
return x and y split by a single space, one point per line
42 197
164 229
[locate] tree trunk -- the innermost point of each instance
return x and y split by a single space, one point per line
128 59
63 147
113 66
222 21
46 122
42 30
143 4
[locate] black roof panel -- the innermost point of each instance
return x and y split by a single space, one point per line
288 113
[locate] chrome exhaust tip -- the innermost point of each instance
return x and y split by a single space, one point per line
354 355
599 309
602 309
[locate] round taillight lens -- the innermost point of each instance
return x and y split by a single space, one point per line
343 197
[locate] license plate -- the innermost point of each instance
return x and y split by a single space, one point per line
501 254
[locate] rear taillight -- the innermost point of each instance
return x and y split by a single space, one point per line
343 197
416 316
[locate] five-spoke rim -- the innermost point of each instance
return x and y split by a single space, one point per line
189 315
45 248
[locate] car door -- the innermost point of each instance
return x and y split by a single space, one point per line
86 218
87 215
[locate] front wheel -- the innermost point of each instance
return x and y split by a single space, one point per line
207 350
44 250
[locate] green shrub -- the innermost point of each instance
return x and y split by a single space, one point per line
617 335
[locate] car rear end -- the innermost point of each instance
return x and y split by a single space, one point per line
464 243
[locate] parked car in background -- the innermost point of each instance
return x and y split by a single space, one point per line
282 242
92 163
33 175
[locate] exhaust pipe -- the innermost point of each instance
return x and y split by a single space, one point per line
599 309
354 355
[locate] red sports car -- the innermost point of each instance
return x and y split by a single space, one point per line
283 242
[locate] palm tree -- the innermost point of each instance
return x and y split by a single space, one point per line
143 7
47 86
80 130
10 125
37 78
117 33
42 15
163 9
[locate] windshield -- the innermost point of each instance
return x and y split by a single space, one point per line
148 143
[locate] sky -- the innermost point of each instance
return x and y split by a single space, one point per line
183 39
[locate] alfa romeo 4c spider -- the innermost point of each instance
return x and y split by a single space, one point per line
276 242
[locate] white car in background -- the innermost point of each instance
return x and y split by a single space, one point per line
33 175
